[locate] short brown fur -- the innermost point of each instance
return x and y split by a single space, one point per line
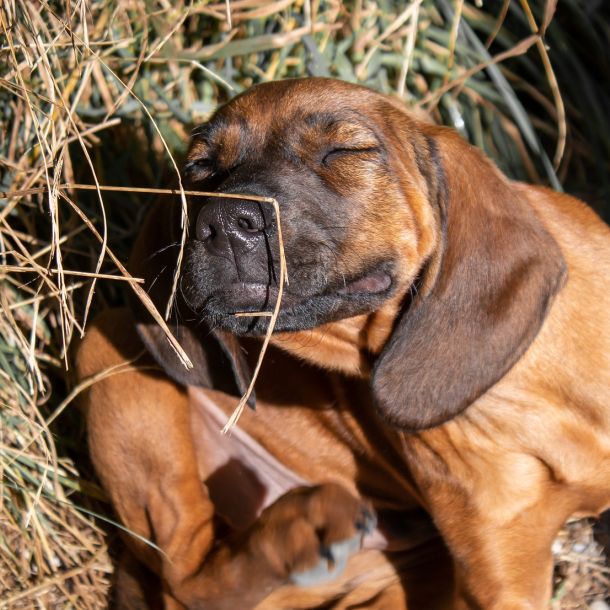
479 389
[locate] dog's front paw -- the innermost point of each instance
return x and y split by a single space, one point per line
307 536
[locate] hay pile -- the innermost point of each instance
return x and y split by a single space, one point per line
106 92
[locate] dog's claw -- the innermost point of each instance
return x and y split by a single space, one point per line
331 565
334 556
367 521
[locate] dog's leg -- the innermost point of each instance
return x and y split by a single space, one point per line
499 515
505 566
139 439
141 446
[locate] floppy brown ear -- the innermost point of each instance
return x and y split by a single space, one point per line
485 292
218 361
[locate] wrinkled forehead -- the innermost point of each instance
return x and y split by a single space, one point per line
272 112
270 104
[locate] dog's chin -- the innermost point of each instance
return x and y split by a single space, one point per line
237 308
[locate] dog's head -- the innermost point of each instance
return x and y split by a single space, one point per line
329 154
376 208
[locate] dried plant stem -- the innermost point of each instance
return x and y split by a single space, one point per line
144 297
42 270
498 25
455 26
519 49
408 50
552 80
276 310
132 189
140 292
400 19
128 87
50 582
38 298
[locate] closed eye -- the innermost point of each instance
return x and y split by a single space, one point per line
199 169
337 153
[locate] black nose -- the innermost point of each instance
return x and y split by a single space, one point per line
224 224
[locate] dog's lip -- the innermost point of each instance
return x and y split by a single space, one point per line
247 297
373 283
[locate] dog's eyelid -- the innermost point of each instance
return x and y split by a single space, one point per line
199 169
342 150
199 161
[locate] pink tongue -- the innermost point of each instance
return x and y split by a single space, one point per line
376 282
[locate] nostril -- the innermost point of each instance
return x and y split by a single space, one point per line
219 222
247 225
205 231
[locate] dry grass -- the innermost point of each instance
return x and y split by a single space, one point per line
582 573
106 92
51 552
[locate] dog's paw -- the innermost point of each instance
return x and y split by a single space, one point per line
330 565
308 534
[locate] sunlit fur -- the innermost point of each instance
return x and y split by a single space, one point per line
499 310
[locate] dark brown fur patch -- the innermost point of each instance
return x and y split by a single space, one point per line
496 275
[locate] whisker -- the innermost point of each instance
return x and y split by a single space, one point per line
161 250
155 279
186 301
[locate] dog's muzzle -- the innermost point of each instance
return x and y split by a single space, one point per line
232 226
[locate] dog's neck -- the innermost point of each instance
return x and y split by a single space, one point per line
348 346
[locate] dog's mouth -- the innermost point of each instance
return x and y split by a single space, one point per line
345 298
377 282
249 297
242 297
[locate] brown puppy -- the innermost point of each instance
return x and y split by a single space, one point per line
443 342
